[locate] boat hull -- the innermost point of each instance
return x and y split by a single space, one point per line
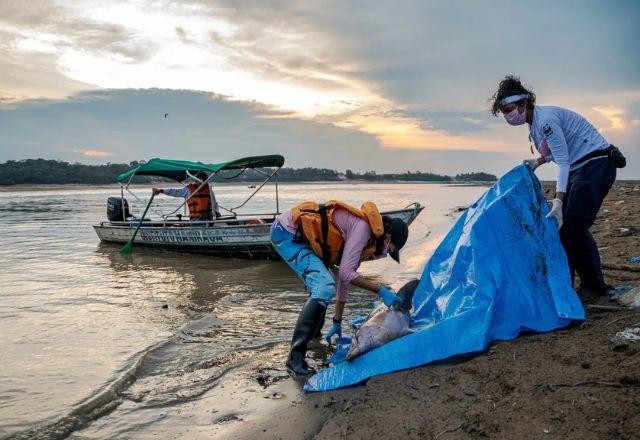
246 239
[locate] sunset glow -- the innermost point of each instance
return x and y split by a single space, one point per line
406 80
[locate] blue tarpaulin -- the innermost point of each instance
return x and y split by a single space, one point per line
499 271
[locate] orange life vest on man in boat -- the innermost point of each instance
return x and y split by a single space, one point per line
200 202
315 222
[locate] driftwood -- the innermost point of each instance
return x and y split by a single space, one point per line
622 318
623 267
590 383
598 307
449 430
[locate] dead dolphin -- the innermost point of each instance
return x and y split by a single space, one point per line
384 324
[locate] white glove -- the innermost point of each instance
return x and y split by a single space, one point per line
531 163
556 211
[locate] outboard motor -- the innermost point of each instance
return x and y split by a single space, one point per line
115 210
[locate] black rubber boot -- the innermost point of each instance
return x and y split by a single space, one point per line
318 333
307 325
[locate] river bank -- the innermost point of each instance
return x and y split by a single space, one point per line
571 383
169 345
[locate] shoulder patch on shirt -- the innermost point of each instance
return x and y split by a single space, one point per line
547 130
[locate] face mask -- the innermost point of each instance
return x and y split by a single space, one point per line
516 118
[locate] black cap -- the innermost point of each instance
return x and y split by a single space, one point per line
399 233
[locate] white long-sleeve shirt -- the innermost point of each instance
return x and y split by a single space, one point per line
568 137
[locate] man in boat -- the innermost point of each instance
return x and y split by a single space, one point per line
201 200
313 237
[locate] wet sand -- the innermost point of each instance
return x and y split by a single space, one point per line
571 383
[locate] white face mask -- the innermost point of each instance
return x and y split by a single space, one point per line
514 117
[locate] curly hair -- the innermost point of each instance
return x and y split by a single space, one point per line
510 86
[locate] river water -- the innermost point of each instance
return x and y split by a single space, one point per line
99 345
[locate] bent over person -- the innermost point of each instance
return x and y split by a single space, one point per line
201 200
586 170
313 237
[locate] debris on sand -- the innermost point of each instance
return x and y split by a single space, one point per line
227 418
631 334
630 298
624 232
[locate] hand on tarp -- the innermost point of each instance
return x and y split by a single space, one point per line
556 211
335 329
531 163
389 297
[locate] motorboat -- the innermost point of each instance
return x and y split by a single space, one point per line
230 235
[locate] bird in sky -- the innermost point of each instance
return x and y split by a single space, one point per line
166 114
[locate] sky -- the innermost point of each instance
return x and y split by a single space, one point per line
388 86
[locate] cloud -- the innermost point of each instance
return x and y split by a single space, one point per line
27 75
389 77
183 35
49 24
436 65
615 116
421 52
36 36
92 153
130 125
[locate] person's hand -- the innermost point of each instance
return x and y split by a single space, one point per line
335 329
556 211
156 191
531 163
389 297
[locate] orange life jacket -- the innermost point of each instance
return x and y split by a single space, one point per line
200 202
315 223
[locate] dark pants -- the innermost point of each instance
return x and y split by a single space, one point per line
587 188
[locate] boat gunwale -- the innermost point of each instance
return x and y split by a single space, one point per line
199 225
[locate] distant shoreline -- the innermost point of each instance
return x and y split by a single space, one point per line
25 187
45 171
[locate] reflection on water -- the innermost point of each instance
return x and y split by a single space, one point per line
96 340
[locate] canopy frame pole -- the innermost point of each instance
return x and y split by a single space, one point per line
257 189
124 214
277 198
126 188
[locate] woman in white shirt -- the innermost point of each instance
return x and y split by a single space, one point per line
586 170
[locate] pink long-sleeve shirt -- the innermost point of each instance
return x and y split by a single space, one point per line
355 232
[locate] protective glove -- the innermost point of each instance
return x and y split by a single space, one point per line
389 297
335 329
531 163
556 211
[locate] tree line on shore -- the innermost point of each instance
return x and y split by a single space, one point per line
44 171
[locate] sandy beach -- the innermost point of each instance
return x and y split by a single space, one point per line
571 383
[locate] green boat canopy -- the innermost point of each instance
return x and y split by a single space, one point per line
177 169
